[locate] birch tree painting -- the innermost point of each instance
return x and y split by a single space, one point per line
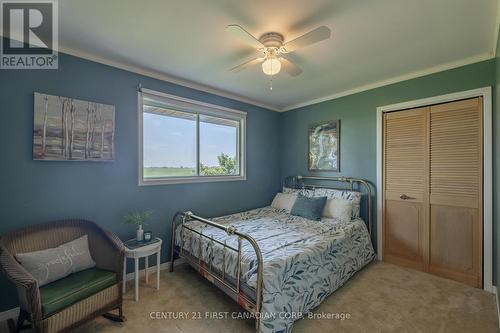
72 129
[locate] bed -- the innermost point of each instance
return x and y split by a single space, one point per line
276 265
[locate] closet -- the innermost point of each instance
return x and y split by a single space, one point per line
433 180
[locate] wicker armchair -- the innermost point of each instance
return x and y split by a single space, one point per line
107 251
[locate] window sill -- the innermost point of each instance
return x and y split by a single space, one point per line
189 180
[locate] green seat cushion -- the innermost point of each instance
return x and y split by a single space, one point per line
62 293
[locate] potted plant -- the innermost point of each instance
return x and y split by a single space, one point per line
139 219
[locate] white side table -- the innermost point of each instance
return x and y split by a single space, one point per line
142 252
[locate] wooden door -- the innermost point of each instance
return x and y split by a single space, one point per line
456 164
433 186
405 206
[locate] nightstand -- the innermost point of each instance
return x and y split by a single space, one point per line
137 250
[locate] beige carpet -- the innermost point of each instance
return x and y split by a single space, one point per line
380 298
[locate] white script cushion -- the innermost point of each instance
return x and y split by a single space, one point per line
338 209
58 262
284 201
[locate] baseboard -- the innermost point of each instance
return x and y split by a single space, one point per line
490 288
14 312
151 269
495 290
9 314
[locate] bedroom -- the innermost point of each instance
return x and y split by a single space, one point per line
125 113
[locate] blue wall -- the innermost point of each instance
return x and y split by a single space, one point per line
357 114
39 191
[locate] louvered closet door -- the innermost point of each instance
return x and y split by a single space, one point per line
456 191
406 187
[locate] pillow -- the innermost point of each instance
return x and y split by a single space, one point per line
304 191
308 207
338 209
284 201
58 262
353 196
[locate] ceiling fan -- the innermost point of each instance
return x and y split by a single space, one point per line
274 48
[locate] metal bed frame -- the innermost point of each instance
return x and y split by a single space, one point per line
225 283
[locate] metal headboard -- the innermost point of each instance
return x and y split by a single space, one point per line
351 184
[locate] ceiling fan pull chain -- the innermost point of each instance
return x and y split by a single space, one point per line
271 78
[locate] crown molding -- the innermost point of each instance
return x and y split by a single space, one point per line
164 77
223 93
428 71
157 75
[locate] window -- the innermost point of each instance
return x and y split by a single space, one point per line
185 141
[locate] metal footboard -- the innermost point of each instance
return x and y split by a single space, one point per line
233 290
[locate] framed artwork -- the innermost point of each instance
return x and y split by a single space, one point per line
324 152
67 129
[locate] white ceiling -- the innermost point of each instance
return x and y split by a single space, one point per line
373 42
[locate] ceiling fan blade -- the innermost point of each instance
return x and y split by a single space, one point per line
290 67
314 36
244 35
246 64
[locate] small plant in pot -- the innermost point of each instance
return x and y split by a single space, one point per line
139 219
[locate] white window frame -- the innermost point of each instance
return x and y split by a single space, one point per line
194 107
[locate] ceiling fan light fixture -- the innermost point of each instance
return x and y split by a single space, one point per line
271 66
273 47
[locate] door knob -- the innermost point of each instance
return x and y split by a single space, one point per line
405 197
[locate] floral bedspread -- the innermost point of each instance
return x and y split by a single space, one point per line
304 260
